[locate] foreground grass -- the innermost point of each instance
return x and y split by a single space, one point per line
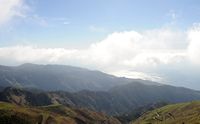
183 113
53 114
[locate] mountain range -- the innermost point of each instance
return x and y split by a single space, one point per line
116 101
59 77
73 87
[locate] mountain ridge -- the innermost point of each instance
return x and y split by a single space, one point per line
60 77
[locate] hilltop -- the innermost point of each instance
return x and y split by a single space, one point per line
182 113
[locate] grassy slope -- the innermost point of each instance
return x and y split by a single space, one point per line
54 114
183 113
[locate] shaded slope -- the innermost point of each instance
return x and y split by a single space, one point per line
23 97
124 98
116 101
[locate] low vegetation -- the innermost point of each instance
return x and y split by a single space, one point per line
53 114
182 113
136 113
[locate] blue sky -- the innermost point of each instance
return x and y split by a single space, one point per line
155 40
104 16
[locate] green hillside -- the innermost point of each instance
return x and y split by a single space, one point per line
183 113
53 114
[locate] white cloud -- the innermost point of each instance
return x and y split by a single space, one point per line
194 44
149 54
10 9
46 21
119 49
38 20
21 54
97 29
133 49
172 14
15 9
61 20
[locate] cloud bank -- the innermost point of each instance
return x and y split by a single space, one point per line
122 49
151 54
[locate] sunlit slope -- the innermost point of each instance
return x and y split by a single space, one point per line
183 113
53 114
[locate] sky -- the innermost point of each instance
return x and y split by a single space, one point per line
156 40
